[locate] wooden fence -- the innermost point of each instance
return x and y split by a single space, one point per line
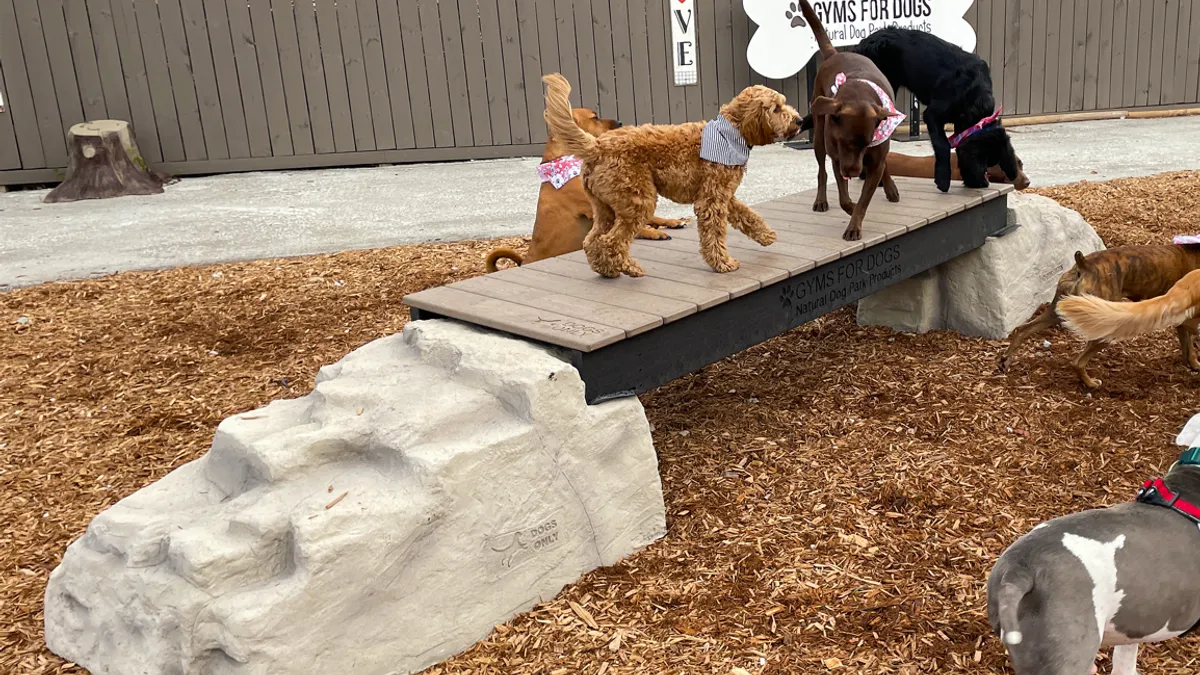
232 85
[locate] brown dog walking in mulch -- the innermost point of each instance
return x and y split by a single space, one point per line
698 163
564 214
854 115
1122 273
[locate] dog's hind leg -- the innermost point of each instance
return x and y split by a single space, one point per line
1187 342
596 244
711 214
821 203
843 187
889 186
750 223
859 211
1044 321
1081 361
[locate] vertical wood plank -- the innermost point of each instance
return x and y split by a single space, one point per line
983 29
1182 34
1154 93
741 38
563 17
706 43
639 41
356 74
1133 12
1037 84
83 55
623 59
446 123
547 46
585 48
312 64
999 46
108 58
471 39
396 63
724 46
18 91
10 152
514 72
495 73
183 84
162 99
246 58
266 47
1146 48
1104 66
377 77
62 67
531 62
1116 88
1066 49
1013 53
208 97
456 74
606 68
420 101
41 81
1024 28
1192 79
1091 56
1079 53
1171 53
334 61
228 87
291 66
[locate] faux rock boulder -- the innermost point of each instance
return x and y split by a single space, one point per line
990 291
432 485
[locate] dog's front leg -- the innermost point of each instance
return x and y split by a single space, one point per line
1081 361
1187 342
854 229
1125 659
941 149
750 223
821 203
711 215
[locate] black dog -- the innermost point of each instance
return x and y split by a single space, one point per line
956 89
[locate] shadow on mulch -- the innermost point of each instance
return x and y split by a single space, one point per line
835 496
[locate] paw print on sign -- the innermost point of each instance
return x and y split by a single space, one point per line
795 16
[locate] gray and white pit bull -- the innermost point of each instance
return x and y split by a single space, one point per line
1114 577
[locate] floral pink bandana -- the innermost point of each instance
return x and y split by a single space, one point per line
558 171
957 139
1185 239
888 126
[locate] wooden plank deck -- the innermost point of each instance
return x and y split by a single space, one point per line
807 272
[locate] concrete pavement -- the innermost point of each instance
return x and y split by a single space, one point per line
274 214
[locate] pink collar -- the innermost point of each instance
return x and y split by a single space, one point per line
888 126
559 171
958 138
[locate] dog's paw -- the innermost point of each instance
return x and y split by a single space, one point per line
1002 364
676 223
942 184
893 195
821 206
653 234
633 269
852 234
726 265
765 237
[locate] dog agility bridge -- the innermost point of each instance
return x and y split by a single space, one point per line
627 336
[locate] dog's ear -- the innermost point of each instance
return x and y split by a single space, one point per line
1080 261
823 105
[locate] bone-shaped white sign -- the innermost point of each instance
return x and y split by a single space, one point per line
784 41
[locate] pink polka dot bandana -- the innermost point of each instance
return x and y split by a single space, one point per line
888 126
558 171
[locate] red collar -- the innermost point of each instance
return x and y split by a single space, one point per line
1156 492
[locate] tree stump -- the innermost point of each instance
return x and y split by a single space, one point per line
104 162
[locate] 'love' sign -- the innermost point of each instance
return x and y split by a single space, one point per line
683 34
784 41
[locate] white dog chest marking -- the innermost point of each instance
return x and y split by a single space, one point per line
1100 561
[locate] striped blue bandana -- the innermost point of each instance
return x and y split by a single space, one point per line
722 143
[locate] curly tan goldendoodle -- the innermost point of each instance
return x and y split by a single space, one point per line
625 170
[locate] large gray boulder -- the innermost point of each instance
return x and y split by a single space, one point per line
431 486
998 286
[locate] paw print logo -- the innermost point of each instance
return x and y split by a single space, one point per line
794 15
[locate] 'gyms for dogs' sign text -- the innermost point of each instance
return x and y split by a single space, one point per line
784 41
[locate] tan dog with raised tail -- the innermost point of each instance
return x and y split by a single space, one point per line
564 214
1094 318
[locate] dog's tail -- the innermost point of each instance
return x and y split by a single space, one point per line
818 30
562 123
1016 584
502 254
1092 318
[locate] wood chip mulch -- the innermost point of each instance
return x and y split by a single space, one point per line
835 496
